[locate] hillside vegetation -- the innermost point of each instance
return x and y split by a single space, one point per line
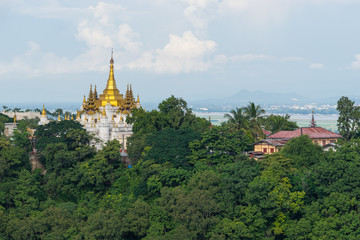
188 180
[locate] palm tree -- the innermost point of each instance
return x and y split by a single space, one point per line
276 123
254 114
237 118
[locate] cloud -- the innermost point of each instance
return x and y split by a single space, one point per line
316 66
201 12
356 63
100 30
183 53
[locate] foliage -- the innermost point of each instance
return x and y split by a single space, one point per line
189 182
4 119
349 118
238 119
218 146
69 132
276 123
171 145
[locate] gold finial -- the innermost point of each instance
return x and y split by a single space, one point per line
43 111
59 119
77 114
14 118
84 101
111 84
72 117
138 99
104 113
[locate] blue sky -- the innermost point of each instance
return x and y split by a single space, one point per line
52 50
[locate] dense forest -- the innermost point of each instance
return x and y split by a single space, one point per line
187 180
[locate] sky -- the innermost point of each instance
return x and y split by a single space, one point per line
52 50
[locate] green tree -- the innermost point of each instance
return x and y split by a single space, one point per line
57 132
275 123
349 118
254 113
218 146
303 152
238 119
4 119
171 145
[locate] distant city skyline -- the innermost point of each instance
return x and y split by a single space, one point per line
51 51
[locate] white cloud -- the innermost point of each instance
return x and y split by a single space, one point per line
183 53
356 63
317 66
98 30
201 12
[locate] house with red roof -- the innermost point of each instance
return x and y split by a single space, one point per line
274 142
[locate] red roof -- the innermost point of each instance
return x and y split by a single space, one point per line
312 132
266 132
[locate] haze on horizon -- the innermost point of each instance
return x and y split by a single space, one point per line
195 49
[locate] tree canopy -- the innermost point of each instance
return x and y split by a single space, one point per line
191 181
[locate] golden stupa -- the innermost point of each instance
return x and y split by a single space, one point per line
111 95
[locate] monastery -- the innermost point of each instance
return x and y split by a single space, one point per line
105 115
274 142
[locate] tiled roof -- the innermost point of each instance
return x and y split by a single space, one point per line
266 132
312 132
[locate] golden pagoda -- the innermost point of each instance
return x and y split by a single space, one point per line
111 94
104 115
43 111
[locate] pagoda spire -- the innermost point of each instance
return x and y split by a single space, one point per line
312 123
95 94
43 111
59 119
111 84
90 93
